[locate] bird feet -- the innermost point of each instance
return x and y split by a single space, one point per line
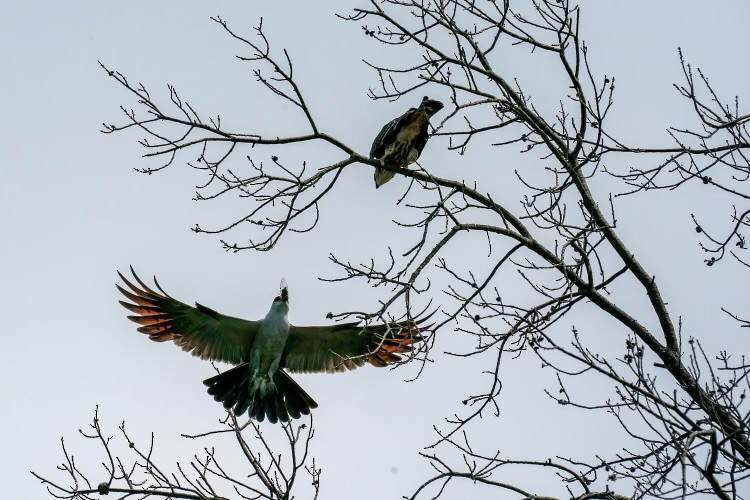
263 384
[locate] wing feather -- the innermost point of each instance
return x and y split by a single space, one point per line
337 348
388 135
199 330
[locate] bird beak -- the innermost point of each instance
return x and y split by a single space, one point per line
431 105
284 290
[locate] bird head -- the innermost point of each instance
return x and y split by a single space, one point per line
430 106
282 300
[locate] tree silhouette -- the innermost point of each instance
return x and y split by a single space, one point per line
681 409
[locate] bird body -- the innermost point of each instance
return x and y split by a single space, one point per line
264 350
273 332
401 141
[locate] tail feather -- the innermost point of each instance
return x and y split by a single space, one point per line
269 407
243 402
293 393
225 387
232 389
292 409
382 176
281 410
296 406
257 410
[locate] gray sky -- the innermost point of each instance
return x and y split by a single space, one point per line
73 211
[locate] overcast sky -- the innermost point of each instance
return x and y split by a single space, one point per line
73 211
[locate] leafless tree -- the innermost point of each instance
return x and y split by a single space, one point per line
682 410
137 473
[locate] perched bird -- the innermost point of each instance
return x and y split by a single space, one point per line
264 349
402 140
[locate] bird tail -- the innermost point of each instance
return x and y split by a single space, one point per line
232 389
382 176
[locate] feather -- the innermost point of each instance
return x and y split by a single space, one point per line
208 334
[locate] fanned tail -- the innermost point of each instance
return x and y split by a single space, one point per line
298 402
232 389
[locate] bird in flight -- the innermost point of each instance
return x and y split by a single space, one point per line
264 350
402 139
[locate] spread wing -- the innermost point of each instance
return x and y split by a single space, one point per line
198 330
336 348
388 134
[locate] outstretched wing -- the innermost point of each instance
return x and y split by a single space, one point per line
199 330
388 135
336 348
